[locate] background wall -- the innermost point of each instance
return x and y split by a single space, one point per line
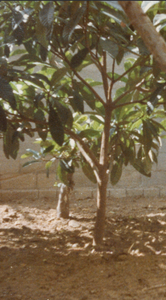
31 182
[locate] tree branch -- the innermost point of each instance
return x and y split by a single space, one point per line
130 69
128 103
84 149
137 87
124 94
81 79
86 84
104 74
152 39
112 82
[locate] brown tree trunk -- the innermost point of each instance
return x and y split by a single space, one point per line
101 208
63 202
102 180
63 199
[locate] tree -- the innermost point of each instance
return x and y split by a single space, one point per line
44 91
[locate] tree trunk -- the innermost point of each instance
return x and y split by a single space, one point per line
63 202
101 208
63 199
102 180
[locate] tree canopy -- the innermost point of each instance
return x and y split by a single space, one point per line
43 89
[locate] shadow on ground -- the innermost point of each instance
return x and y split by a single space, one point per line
45 258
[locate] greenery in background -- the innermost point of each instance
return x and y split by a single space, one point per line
42 90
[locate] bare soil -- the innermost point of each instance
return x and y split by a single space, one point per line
43 258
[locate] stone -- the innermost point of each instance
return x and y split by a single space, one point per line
74 224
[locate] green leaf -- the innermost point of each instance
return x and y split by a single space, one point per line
154 98
18 51
62 174
34 153
154 130
39 116
89 133
116 171
64 113
56 128
3 120
10 146
78 58
115 5
117 16
48 164
98 119
146 5
88 171
34 81
158 18
6 93
46 15
25 155
120 56
147 137
78 102
42 77
29 163
49 149
140 166
17 19
72 23
110 46
142 48
85 93
158 125
18 32
43 52
27 58
66 167
41 37
58 75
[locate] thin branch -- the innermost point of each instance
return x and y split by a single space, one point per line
133 102
137 87
80 78
112 82
85 83
124 94
86 152
129 103
21 118
130 69
104 74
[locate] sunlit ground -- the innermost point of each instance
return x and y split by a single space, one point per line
45 258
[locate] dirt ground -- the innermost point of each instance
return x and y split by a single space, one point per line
42 258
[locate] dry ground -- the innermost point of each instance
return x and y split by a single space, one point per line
42 258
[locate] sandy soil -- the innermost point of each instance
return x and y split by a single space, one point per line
42 258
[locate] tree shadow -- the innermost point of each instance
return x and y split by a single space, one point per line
134 236
137 236
61 241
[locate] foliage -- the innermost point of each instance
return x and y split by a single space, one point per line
44 47
43 86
